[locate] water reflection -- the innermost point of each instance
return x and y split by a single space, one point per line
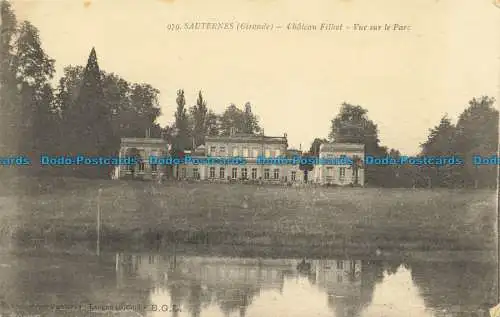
219 286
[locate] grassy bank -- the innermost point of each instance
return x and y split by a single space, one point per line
302 220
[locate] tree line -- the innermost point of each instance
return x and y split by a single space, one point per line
475 133
192 125
88 110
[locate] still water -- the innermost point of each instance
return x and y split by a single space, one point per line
153 284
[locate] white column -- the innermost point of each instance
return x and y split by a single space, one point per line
123 167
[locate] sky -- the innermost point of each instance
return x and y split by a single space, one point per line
295 80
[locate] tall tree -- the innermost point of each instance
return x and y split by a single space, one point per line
477 134
401 175
9 95
250 121
134 107
181 140
440 139
167 133
232 117
352 125
117 95
212 123
64 101
92 133
440 142
145 106
199 114
68 89
242 121
45 125
34 70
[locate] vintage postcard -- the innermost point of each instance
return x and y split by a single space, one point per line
249 158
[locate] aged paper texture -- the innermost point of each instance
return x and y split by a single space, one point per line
249 158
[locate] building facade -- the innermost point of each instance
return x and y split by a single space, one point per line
252 148
142 148
341 174
248 147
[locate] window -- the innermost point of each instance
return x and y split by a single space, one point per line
278 153
212 172
213 149
196 173
245 152
154 167
329 173
339 278
235 151
183 172
141 166
221 173
341 173
293 176
267 153
244 173
266 173
276 173
222 151
254 173
340 265
234 173
357 162
255 152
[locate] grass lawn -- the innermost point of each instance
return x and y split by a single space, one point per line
246 214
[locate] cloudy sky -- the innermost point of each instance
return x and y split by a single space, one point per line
295 80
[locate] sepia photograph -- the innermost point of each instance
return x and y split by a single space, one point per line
249 158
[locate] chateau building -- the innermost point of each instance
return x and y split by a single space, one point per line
250 149
341 174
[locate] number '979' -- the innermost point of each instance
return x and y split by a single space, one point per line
173 27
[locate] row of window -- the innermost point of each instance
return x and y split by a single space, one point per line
245 152
329 172
243 175
244 172
141 167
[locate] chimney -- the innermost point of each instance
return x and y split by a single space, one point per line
284 135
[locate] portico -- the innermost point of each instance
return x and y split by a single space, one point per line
142 148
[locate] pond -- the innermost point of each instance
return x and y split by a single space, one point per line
161 284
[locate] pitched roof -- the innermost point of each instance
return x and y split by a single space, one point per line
334 147
139 141
247 138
